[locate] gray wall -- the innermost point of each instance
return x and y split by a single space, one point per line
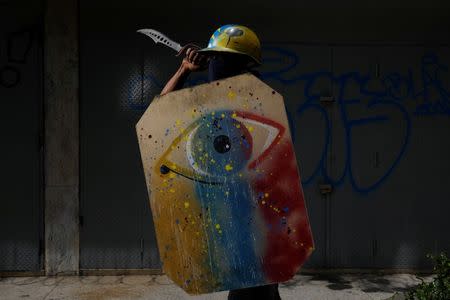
380 145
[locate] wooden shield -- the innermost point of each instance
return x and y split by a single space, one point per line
224 186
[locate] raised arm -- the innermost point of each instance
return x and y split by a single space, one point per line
192 62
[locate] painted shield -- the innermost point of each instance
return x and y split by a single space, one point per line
224 186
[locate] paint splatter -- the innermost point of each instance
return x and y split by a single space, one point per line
231 95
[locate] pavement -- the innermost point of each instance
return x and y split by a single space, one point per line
311 287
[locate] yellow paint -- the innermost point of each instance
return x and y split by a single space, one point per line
231 95
238 126
172 190
228 167
234 115
183 247
217 226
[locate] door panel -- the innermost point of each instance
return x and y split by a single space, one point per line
21 130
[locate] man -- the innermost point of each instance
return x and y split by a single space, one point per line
232 50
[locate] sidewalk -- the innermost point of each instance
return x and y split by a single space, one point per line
320 287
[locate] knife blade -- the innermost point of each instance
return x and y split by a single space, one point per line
159 37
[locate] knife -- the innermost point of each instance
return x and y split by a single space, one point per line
159 37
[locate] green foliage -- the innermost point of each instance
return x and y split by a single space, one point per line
439 288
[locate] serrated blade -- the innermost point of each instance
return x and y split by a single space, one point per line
158 37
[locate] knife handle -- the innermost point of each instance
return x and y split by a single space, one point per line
185 47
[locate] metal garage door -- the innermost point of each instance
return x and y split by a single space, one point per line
370 125
21 131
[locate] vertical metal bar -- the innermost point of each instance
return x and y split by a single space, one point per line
41 120
377 69
142 49
328 197
80 143
374 251
142 251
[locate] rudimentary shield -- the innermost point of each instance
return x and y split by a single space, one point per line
224 186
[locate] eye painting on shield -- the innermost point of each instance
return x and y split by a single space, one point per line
224 186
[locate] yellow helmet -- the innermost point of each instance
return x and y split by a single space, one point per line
235 39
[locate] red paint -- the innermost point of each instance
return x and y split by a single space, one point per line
285 253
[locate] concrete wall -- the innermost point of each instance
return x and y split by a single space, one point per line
61 137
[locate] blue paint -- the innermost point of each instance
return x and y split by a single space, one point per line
230 230
233 258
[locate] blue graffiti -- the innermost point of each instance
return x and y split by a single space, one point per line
430 70
394 91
